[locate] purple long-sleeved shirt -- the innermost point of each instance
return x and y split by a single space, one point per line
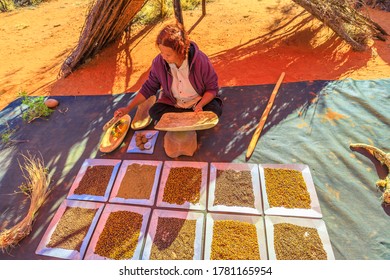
201 75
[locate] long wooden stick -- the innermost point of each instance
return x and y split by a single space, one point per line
264 116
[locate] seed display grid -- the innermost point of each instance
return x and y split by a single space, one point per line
205 168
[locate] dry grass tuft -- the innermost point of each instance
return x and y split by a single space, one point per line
37 188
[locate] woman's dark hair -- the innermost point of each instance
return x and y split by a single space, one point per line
175 37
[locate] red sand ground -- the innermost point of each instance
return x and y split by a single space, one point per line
249 42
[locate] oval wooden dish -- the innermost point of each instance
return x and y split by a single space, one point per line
142 118
115 134
187 121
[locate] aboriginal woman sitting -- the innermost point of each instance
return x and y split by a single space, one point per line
181 75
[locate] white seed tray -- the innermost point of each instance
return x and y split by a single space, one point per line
65 253
253 168
258 221
108 209
313 212
318 224
122 171
188 215
168 165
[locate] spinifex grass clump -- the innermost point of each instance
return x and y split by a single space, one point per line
36 107
36 188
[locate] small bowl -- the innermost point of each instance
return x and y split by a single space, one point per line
149 135
147 145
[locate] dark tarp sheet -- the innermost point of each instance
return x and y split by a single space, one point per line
311 123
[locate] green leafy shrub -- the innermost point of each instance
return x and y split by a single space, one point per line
36 107
6 137
159 9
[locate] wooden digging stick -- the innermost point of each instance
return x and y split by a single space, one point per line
264 116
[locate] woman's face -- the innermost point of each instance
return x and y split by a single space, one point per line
169 55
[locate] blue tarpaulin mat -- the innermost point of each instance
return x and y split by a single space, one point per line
311 123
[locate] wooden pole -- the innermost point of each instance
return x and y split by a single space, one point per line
178 11
263 118
204 7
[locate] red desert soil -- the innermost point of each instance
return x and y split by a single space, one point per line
249 42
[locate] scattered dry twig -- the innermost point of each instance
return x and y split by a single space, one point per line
348 23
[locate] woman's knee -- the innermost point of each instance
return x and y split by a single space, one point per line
156 111
215 106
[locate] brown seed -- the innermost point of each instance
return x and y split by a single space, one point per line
120 234
293 242
51 103
95 180
137 183
72 228
183 185
174 239
234 188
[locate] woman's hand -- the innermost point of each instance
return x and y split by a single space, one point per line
206 98
121 112
197 108
138 99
